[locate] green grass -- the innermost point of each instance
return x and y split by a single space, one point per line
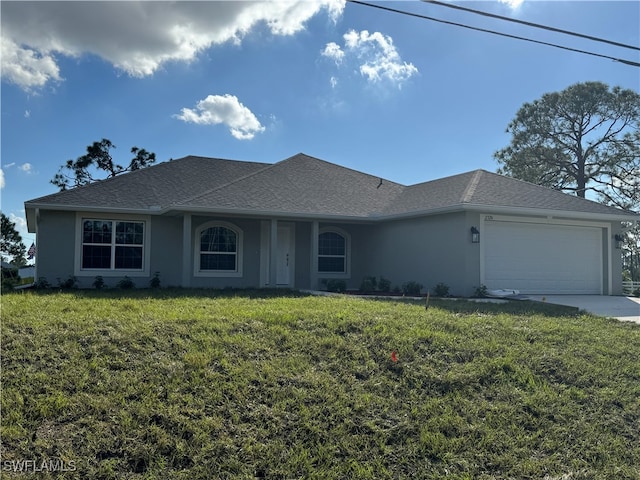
203 385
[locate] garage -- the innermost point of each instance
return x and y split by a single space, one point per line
542 258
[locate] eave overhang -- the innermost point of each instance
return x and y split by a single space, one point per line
30 209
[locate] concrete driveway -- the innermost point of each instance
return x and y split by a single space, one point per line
622 308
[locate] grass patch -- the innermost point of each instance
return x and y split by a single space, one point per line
200 385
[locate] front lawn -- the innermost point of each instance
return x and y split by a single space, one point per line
212 385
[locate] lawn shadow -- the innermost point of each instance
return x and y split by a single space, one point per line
493 306
171 292
453 305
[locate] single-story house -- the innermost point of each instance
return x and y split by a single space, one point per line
208 222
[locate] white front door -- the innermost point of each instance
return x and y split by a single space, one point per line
285 251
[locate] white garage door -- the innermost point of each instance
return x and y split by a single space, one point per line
542 259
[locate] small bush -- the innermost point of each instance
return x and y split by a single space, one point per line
480 291
369 284
441 290
70 283
126 284
42 284
10 278
335 285
155 281
384 285
98 283
412 288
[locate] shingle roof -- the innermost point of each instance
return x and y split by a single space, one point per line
306 186
481 188
494 189
160 185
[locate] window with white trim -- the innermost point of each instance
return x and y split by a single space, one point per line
219 250
112 245
332 252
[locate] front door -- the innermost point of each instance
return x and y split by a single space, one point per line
285 251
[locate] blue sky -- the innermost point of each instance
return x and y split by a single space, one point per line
403 98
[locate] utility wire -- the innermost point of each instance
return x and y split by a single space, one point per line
425 17
530 24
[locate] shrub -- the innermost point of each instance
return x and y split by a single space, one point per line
70 283
98 283
441 290
384 285
368 284
8 283
412 288
480 291
155 281
42 284
126 283
10 278
335 285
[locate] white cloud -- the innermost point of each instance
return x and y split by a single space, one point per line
25 167
21 223
333 51
1 178
136 37
376 55
21 227
512 3
225 109
27 67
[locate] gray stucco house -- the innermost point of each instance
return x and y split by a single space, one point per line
205 222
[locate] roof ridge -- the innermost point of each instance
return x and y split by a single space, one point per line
238 179
467 195
527 182
274 165
140 171
436 180
387 204
103 180
342 167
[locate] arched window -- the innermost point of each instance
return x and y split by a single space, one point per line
333 252
219 250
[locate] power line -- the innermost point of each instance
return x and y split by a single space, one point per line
530 24
478 29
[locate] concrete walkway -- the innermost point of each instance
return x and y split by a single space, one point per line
622 308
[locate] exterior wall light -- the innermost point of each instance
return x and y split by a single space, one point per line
475 235
619 239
